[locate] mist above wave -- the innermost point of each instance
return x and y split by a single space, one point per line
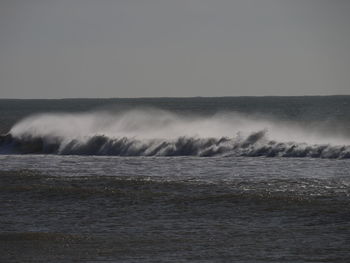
155 132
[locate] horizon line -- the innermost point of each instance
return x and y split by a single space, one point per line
177 97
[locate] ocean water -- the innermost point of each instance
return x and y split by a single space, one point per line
239 179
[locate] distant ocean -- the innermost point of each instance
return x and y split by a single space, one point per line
231 179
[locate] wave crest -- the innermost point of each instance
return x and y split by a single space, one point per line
159 133
254 145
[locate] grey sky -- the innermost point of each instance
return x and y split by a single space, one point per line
146 48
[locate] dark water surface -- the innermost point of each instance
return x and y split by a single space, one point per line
174 209
125 205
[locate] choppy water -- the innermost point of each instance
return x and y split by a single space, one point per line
69 191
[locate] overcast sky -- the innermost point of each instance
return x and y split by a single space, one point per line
148 48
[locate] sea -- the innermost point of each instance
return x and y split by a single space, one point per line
227 179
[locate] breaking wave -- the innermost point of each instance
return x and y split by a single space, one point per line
159 133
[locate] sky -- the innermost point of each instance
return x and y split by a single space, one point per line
173 48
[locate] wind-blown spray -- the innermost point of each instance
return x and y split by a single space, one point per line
151 132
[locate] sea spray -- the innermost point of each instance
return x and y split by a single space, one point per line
151 132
